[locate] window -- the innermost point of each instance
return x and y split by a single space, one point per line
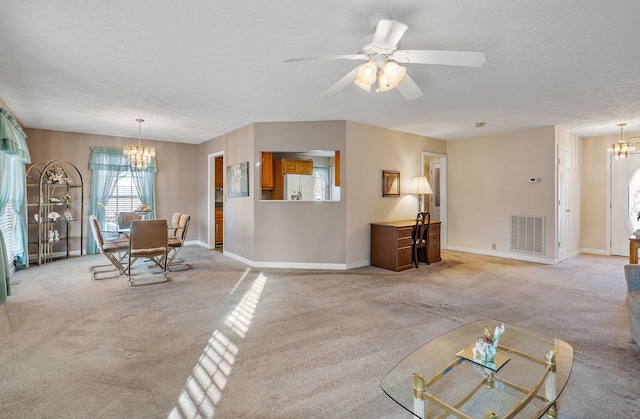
6 224
321 184
124 198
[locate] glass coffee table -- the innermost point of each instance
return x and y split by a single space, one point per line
435 382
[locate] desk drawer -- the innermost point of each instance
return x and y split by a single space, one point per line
404 257
404 233
434 229
406 242
434 252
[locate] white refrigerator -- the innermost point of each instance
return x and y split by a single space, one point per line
299 187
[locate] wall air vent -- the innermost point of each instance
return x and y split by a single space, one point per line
527 234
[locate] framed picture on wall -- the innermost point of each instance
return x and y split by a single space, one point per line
238 180
391 183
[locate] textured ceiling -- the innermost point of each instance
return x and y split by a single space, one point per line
198 69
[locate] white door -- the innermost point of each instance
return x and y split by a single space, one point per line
434 198
563 204
625 202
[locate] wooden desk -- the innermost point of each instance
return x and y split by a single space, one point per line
634 245
391 244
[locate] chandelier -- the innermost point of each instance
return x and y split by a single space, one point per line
622 149
138 155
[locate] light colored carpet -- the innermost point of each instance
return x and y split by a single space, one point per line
224 340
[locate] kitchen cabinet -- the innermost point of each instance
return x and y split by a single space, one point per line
219 170
337 167
219 227
297 167
267 170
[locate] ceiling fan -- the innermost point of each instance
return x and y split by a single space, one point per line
382 59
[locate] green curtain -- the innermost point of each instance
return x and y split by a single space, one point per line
14 154
105 164
19 203
5 191
12 138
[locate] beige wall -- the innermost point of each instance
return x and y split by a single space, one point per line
488 181
370 150
175 182
237 147
304 231
595 199
329 234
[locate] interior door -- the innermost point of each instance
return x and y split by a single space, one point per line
434 198
563 204
625 198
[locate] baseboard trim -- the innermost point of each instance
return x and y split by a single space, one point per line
524 258
297 265
596 252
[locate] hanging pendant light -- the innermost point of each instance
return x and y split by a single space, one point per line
622 149
138 155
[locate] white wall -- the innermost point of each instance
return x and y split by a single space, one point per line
488 181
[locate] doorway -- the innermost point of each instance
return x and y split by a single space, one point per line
434 167
563 204
216 198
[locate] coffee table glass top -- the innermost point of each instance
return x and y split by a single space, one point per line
448 386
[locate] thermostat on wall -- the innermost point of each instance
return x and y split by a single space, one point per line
534 179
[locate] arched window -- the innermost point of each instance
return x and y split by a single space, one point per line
633 212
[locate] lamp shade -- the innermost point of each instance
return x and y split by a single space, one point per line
420 185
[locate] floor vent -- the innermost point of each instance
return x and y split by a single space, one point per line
527 234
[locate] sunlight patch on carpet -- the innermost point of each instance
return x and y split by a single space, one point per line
203 389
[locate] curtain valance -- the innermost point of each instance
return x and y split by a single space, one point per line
112 159
13 138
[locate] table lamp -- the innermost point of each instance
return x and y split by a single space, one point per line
420 185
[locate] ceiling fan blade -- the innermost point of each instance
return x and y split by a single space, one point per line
341 84
463 58
388 33
329 57
409 89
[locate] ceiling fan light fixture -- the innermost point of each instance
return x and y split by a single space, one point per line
366 75
391 74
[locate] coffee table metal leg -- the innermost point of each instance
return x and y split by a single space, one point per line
550 382
418 395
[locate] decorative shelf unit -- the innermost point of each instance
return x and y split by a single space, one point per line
54 188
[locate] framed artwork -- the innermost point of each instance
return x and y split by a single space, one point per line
391 183
238 180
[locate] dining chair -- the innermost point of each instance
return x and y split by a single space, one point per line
177 236
148 239
114 250
420 238
124 222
